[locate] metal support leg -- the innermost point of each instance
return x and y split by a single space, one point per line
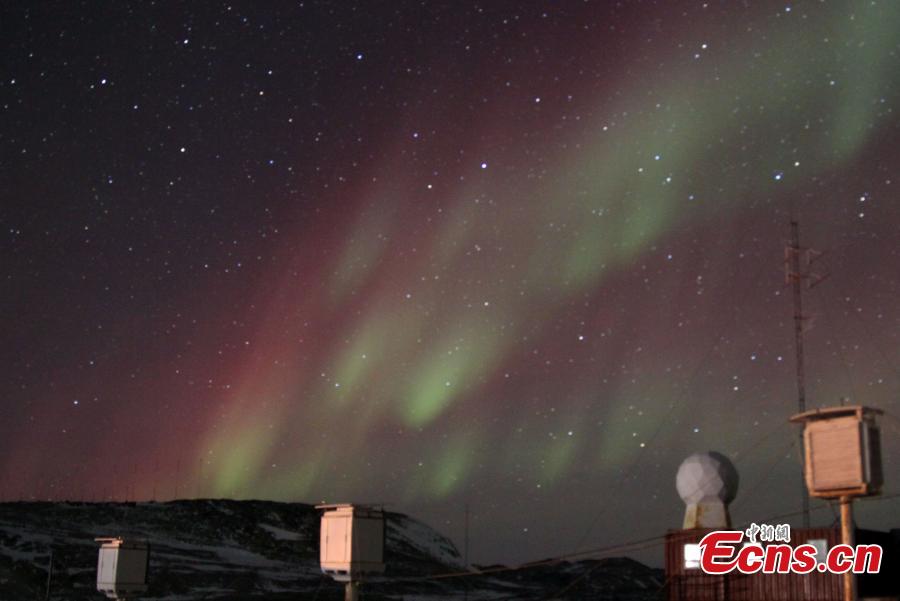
351 591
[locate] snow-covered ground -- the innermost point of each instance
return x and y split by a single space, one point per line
230 550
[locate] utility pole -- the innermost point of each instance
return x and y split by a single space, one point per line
466 545
466 550
155 479
177 476
797 263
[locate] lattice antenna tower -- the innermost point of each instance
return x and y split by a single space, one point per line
799 273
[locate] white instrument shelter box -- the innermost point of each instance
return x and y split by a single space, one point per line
351 542
122 567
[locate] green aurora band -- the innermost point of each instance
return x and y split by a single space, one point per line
412 348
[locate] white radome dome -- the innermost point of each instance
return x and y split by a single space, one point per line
705 477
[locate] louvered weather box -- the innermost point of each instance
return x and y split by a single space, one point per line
122 567
843 451
351 542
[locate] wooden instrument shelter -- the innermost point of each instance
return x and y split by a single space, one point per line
843 451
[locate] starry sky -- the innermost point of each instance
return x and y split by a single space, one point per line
520 256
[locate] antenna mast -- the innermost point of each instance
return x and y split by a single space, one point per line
798 272
795 277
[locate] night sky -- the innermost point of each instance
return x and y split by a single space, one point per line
521 256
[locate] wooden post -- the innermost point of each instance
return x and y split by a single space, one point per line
351 591
847 539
